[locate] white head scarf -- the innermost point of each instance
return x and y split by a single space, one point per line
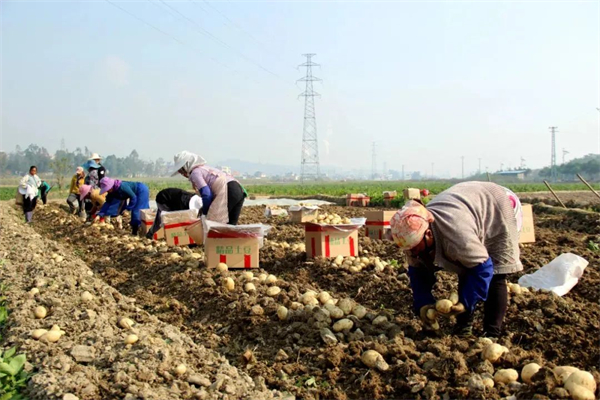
187 161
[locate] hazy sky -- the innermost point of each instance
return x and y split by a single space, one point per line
428 81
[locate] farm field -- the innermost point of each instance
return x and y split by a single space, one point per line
374 189
185 316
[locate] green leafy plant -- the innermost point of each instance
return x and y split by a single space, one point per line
593 246
13 378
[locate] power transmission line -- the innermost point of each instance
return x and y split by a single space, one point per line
232 22
179 41
214 38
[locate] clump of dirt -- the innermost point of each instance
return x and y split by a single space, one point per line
297 354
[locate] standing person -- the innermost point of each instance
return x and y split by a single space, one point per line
29 188
136 192
222 195
95 171
76 183
87 192
471 229
173 199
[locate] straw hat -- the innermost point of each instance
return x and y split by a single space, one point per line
95 156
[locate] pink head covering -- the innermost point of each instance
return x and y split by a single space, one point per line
84 190
409 225
108 183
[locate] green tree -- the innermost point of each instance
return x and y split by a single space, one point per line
61 168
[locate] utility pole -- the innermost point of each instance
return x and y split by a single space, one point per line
463 167
310 145
373 163
565 152
553 154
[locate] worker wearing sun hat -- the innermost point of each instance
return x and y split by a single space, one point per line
470 229
97 200
96 170
222 195
136 192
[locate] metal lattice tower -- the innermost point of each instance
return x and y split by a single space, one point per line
310 144
553 155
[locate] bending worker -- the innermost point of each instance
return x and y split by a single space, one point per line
136 192
471 229
173 199
222 195
87 192
76 183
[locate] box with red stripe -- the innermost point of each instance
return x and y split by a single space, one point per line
236 246
357 200
175 224
332 240
378 224
147 217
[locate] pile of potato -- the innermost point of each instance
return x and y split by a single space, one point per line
332 219
357 264
285 245
579 384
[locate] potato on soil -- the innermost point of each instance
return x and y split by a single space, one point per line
343 325
273 291
444 306
493 352
131 339
528 371
228 284
581 378
373 359
506 376
40 312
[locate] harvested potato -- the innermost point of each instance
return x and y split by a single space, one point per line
38 333
453 298
228 284
562 373
271 279
324 297
40 312
444 306
578 392
273 291
359 311
126 323
528 371
222 267
493 352
131 339
249 287
343 325
506 376
581 378
373 359
180 369
282 312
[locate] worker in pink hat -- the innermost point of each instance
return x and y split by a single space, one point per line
97 200
471 229
135 194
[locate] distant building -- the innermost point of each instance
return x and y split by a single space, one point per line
518 174
226 169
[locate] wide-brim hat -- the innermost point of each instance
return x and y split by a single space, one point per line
95 156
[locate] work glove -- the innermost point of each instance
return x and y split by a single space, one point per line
107 219
475 284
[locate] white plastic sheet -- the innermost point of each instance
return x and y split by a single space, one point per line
298 207
253 230
559 276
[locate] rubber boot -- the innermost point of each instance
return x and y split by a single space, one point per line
28 216
134 230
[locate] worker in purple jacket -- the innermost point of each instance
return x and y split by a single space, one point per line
222 195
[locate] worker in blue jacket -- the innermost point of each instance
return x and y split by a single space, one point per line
136 192
471 229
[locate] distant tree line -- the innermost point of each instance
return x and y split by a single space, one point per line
588 167
64 162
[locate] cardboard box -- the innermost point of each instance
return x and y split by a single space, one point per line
196 232
388 196
378 224
236 249
527 230
411 194
357 200
147 216
329 241
303 215
174 224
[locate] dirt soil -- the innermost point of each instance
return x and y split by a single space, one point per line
172 288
